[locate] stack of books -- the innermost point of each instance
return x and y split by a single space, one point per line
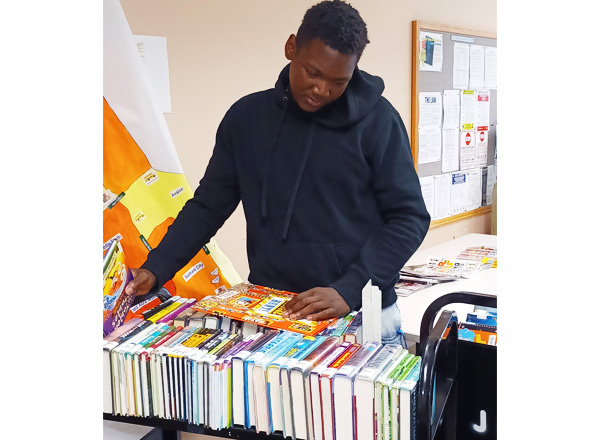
480 327
328 386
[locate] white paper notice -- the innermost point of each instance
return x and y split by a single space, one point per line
460 73
431 55
491 66
441 196
488 179
482 109
476 66
153 51
450 149
428 191
451 104
430 144
467 150
473 200
481 147
430 109
467 110
458 193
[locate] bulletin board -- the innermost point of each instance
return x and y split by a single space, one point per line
435 75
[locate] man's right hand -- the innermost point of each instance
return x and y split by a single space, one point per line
143 281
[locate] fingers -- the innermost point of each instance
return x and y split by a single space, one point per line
298 303
309 309
143 281
323 315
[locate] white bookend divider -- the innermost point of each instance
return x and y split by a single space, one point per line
371 313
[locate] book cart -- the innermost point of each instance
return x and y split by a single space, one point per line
457 391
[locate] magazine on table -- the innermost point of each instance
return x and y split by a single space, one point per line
484 254
406 288
444 269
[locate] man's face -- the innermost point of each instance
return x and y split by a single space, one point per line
318 74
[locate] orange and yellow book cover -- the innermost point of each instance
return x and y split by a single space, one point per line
260 305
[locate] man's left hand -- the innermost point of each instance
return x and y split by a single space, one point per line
316 304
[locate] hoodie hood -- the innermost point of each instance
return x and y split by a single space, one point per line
361 94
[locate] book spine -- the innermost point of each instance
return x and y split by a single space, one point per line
381 360
172 315
183 318
346 356
337 352
357 361
258 354
343 324
351 332
227 344
137 310
238 348
317 355
286 344
308 348
167 310
125 328
160 307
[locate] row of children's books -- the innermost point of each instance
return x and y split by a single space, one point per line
323 387
179 311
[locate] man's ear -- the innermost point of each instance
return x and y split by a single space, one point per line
290 47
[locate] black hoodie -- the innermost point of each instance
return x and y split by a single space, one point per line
331 198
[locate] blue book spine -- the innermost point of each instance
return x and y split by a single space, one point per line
277 340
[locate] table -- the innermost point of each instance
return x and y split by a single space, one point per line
413 306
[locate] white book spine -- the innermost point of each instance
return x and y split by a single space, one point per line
317 411
237 394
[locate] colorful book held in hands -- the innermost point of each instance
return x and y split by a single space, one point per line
259 305
116 276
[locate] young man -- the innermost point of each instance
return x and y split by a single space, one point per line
323 167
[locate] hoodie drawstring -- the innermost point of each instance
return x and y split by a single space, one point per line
288 215
268 164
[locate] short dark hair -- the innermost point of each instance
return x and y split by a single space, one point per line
337 24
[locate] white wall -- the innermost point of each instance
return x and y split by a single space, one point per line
220 50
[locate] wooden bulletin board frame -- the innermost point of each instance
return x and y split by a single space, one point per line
480 38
